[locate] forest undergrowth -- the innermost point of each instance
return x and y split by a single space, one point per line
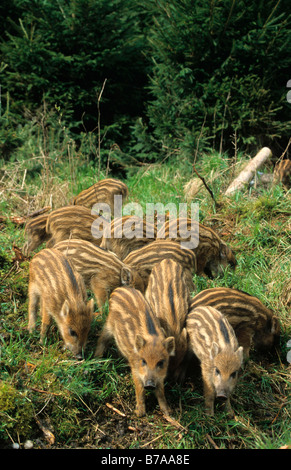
50 400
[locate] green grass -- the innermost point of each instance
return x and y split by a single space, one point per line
46 383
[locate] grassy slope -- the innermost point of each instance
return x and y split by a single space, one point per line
44 386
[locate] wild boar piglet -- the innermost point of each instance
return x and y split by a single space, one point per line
212 254
60 292
169 297
282 173
74 222
126 234
254 324
145 258
102 270
102 192
213 341
141 341
35 233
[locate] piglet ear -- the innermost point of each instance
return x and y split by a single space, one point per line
65 309
170 345
184 335
223 250
163 331
90 306
240 353
214 350
125 276
139 342
275 326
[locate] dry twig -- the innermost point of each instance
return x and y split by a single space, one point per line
115 410
206 185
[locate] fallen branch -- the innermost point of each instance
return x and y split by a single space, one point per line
249 171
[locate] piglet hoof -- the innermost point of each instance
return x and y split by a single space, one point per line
31 326
166 412
140 412
99 351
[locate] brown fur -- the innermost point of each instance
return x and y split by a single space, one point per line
252 321
102 192
35 232
61 293
127 234
145 258
282 173
141 341
213 341
169 297
212 253
72 222
101 270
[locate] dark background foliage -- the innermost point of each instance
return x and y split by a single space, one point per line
178 76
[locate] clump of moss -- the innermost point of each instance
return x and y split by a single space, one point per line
16 412
264 206
8 396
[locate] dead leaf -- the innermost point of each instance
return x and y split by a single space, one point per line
19 256
44 426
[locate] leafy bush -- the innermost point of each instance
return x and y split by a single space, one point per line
151 77
214 73
62 52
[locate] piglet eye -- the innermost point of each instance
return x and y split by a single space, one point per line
143 362
160 364
233 375
217 371
72 332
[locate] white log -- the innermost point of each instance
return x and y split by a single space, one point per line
249 171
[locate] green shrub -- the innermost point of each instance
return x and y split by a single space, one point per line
214 76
